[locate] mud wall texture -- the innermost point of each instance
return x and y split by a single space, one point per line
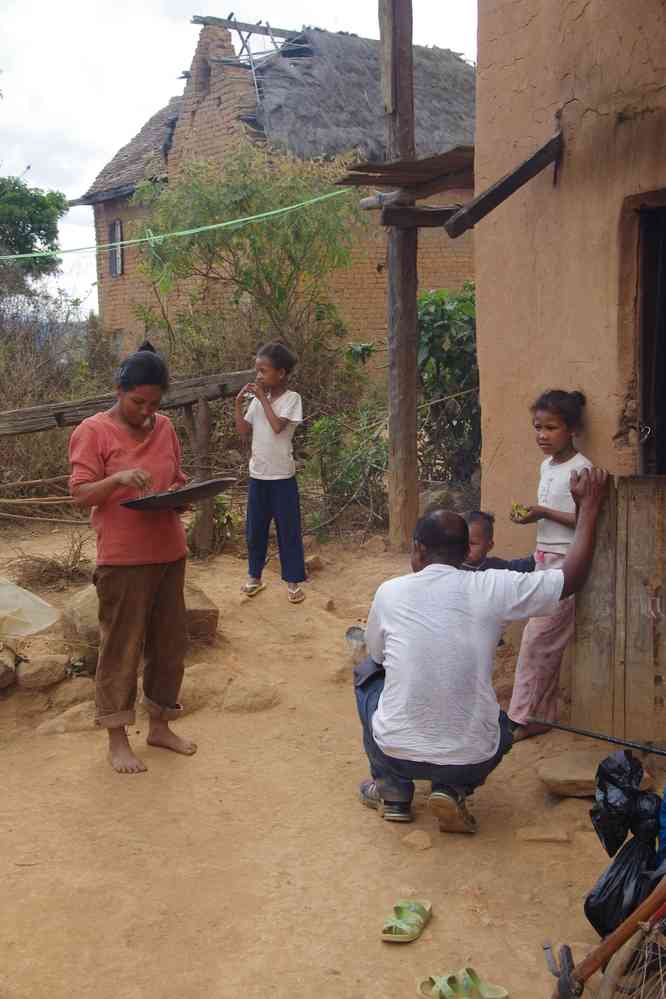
557 265
215 96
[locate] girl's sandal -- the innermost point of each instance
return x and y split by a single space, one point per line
440 987
251 589
296 596
409 918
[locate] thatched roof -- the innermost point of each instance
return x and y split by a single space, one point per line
141 158
320 97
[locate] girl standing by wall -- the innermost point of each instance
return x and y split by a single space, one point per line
557 418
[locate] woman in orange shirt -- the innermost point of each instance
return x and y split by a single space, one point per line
140 573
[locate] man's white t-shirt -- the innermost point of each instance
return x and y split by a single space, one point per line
273 454
554 492
435 632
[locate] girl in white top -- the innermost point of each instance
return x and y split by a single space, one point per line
557 417
272 418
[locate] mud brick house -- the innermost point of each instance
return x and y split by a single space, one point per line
571 286
317 94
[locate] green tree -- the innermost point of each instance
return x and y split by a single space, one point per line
28 224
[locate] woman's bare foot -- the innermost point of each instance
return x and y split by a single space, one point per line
121 756
159 734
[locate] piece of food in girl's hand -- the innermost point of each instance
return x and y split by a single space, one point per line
518 511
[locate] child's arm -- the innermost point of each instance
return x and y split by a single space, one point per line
535 513
278 423
522 564
242 426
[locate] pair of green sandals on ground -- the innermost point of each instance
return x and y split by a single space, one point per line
409 918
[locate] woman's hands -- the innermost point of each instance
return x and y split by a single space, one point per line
136 478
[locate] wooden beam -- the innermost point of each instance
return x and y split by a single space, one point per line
489 199
255 29
68 414
409 217
395 22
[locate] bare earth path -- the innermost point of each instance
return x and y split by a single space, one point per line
251 869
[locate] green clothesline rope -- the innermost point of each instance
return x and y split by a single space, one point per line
156 240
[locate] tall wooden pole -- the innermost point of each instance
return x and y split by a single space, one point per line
395 22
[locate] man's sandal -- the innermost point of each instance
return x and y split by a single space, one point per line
475 985
440 987
251 589
409 918
296 596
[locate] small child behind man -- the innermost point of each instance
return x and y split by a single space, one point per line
482 540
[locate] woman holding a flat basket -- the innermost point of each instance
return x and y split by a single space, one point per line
140 574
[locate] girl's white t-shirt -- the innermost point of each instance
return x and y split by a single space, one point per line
273 454
554 492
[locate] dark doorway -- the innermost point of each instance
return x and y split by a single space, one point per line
652 426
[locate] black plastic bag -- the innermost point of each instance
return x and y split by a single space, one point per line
644 822
618 779
622 887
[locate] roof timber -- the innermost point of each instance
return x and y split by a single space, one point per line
256 29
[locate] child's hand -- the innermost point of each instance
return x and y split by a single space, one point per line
259 392
246 390
525 514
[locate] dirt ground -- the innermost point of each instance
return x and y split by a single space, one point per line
252 869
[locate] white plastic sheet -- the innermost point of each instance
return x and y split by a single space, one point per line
22 613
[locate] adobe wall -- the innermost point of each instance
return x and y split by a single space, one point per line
556 266
207 128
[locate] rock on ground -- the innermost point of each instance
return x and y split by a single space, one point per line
572 774
418 839
41 672
81 627
72 691
79 718
250 693
313 563
7 668
202 687
202 614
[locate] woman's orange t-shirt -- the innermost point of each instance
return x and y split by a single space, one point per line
98 448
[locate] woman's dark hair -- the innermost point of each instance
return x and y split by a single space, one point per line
568 406
280 356
144 367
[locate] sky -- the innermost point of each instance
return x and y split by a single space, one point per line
79 78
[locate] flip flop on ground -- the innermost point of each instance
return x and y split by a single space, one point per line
410 916
440 987
251 589
476 986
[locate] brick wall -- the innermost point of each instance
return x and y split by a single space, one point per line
208 126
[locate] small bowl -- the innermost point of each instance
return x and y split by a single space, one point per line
355 638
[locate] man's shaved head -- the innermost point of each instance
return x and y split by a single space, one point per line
442 536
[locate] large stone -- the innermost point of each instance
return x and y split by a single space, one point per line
202 687
7 667
202 614
79 718
81 626
250 693
313 563
572 774
72 691
42 672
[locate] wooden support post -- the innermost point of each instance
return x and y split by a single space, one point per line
198 432
395 22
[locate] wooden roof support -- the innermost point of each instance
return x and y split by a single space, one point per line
68 414
489 199
395 22
234 25
409 217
